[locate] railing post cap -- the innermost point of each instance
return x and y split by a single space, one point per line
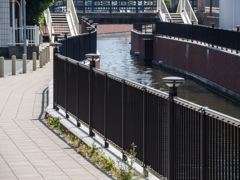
92 56
56 34
173 81
56 44
65 32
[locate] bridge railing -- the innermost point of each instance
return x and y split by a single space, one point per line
48 20
207 143
215 37
162 9
185 8
73 18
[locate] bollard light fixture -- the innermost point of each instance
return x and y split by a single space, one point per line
238 27
65 34
56 36
92 56
213 24
56 44
173 81
95 24
192 22
86 19
83 17
90 21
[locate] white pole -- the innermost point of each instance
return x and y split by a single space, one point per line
24 25
13 21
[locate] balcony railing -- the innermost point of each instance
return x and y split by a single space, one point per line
32 36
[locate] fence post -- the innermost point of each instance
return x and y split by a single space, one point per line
124 157
106 145
77 97
238 26
172 83
41 59
91 58
66 86
203 146
1 66
192 30
13 65
34 61
24 57
145 172
55 51
212 33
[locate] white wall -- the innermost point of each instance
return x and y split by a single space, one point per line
229 13
4 23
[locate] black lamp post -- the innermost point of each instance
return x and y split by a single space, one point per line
172 83
56 36
95 24
92 58
56 46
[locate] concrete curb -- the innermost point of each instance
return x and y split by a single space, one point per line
82 133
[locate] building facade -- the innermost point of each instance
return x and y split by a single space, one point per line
4 26
229 14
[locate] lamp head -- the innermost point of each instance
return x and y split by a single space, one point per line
173 81
92 57
56 34
65 32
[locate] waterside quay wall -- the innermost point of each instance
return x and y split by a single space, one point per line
216 68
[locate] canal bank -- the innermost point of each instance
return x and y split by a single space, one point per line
116 59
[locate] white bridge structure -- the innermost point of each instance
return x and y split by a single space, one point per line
184 14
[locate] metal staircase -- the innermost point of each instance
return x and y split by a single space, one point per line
184 14
62 22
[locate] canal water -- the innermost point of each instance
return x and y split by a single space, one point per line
116 59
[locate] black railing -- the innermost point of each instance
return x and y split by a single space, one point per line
76 47
220 38
206 143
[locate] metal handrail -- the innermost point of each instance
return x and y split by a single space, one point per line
73 16
48 20
185 8
163 11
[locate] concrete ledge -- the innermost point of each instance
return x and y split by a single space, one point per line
141 58
211 85
82 133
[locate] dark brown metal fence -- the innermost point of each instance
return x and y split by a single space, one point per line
215 37
206 143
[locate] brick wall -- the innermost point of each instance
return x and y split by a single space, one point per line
137 42
217 66
111 28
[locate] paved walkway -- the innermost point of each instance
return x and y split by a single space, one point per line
28 148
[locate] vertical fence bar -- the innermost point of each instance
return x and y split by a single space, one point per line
204 150
91 65
124 157
144 130
66 86
77 97
106 145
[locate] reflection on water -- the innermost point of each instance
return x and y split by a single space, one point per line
116 59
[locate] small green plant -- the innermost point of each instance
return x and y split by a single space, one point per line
54 122
174 9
